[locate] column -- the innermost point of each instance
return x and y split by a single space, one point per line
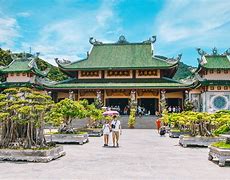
71 95
163 103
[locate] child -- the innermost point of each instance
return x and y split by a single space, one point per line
162 130
106 131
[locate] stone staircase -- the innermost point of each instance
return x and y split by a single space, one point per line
144 122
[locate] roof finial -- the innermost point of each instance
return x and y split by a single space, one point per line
227 52
200 51
151 40
122 40
179 57
214 51
94 42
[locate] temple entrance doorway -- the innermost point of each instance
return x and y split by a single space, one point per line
174 102
148 105
118 104
90 100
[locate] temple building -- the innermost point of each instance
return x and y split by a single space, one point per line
22 72
213 74
113 72
120 72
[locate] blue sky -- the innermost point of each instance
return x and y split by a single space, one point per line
61 28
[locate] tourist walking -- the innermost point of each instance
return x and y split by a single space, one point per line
106 131
116 131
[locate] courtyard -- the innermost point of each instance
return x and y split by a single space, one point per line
142 154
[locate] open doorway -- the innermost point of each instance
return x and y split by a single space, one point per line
118 104
149 105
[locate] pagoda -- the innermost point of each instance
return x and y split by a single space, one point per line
22 72
213 74
117 72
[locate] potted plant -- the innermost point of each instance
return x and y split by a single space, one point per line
22 114
132 118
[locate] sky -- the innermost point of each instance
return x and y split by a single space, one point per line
61 28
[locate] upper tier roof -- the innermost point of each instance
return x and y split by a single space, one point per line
23 64
214 60
120 55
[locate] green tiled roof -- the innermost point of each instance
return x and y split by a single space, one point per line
120 56
215 82
22 65
108 84
216 62
18 65
5 85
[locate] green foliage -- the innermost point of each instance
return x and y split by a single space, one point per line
22 115
197 123
188 106
221 144
132 118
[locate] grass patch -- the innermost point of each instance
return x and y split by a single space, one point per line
221 144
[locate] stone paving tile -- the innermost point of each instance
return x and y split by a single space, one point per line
143 155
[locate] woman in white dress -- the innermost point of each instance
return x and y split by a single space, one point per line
106 131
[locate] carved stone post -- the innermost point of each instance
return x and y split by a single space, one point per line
163 103
133 101
99 98
71 95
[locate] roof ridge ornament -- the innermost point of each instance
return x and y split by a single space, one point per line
122 40
227 52
179 57
94 41
151 40
201 52
63 61
214 51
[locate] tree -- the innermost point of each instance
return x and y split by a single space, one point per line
64 112
22 113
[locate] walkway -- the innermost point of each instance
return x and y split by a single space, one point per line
144 122
142 155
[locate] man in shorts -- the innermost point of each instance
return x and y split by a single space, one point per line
116 130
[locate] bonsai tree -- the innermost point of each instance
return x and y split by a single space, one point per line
64 112
22 113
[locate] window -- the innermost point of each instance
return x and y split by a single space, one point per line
18 74
218 71
225 87
211 71
12 74
218 87
212 87
24 74
225 71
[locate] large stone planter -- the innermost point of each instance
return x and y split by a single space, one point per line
173 134
42 156
221 154
198 140
67 138
92 132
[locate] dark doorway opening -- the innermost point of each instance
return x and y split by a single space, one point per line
118 102
174 102
149 104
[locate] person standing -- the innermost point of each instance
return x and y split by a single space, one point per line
116 131
158 124
106 131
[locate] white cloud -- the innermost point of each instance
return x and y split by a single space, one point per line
23 14
189 20
69 38
8 32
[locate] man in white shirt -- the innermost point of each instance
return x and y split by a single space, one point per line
116 130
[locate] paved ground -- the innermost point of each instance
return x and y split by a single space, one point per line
142 155
144 122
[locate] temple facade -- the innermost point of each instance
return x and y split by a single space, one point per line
116 73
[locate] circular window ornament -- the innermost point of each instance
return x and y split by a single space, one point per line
220 102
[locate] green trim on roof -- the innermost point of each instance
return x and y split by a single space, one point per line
5 85
216 62
120 56
119 83
215 82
